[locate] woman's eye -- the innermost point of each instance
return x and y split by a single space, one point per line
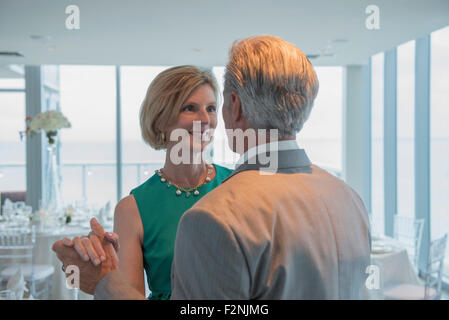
212 108
187 108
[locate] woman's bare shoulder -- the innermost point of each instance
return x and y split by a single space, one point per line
127 204
127 216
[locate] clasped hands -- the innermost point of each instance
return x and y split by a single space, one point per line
95 255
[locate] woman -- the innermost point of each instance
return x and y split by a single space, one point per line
146 221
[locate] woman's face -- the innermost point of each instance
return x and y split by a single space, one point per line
200 107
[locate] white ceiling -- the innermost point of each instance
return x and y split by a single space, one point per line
200 31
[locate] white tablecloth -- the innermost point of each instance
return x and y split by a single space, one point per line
395 267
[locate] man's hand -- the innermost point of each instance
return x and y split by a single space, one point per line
90 274
91 247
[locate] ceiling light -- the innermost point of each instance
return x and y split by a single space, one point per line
341 40
39 37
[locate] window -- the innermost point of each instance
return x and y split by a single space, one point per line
139 159
12 83
88 149
405 129
12 149
222 153
377 146
439 136
321 136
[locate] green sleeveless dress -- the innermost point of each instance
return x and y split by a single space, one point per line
160 210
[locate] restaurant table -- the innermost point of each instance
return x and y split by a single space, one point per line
394 265
44 255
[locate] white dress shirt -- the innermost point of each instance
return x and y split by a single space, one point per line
271 146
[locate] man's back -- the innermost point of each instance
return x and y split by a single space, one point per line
290 235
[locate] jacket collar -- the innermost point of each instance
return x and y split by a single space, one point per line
280 161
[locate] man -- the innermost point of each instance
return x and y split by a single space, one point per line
295 233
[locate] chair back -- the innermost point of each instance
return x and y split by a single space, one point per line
434 269
408 231
16 247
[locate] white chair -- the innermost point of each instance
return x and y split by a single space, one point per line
408 232
16 251
431 290
376 224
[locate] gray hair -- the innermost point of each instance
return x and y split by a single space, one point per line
275 81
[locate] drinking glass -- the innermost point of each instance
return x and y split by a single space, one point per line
24 215
18 206
8 213
27 211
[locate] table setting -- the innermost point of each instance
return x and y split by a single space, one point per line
49 226
380 246
393 263
54 218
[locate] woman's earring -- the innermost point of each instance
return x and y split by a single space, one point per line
163 136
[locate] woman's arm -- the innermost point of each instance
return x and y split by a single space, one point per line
128 225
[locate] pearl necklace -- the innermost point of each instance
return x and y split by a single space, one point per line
188 191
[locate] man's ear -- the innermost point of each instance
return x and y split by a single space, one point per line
236 107
237 115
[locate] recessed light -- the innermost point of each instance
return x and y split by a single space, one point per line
341 40
196 50
40 37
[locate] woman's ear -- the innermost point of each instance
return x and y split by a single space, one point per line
159 128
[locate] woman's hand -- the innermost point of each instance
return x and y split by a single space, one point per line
93 246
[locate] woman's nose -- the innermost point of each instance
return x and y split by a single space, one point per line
203 116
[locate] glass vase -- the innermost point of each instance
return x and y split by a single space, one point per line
52 197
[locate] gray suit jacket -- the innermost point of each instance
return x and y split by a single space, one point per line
300 233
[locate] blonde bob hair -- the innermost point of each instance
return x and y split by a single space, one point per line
165 97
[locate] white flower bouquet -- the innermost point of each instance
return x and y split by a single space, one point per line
49 121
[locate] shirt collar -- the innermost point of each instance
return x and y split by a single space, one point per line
271 146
